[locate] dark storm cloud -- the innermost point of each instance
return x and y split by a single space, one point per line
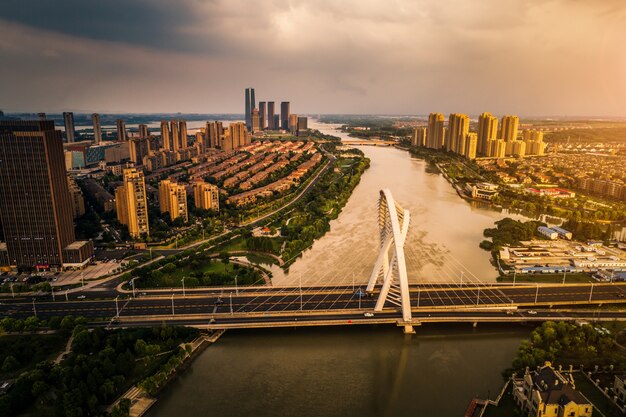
152 23
530 57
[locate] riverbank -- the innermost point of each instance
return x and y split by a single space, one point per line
140 401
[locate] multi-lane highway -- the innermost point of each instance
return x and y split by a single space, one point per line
265 305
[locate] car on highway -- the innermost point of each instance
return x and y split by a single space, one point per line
620 295
532 312
219 301
368 314
81 297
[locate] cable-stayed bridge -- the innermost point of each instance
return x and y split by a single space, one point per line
388 296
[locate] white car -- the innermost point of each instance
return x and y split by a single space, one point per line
369 314
532 312
81 297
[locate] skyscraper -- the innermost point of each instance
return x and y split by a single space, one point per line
97 128
435 133
250 104
35 204
165 135
256 120
238 135
70 130
173 199
143 131
182 132
419 137
509 127
303 123
487 130
131 203
262 115
174 134
206 196
471 143
293 124
458 128
213 131
270 116
138 148
121 130
284 115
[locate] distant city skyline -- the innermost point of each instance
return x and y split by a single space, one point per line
525 57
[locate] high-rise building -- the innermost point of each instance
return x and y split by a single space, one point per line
256 120
165 135
174 134
509 126
497 148
419 136
182 134
471 144
97 128
270 116
284 115
213 132
70 130
35 202
487 130
121 130
262 115
173 199
519 148
276 122
143 131
293 124
303 124
239 135
138 148
206 196
131 203
534 142
41 116
76 197
250 104
458 128
436 133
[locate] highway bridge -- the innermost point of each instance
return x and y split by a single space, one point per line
388 297
289 306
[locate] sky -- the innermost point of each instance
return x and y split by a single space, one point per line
526 57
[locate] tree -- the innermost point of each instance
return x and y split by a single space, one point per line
10 364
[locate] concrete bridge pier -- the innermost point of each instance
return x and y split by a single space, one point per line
408 328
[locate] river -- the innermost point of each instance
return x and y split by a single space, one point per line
344 372
444 232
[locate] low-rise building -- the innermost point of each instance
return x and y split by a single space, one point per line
547 232
548 392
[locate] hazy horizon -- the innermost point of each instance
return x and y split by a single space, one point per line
557 58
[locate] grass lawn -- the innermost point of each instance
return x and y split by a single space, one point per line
213 265
598 399
549 278
506 407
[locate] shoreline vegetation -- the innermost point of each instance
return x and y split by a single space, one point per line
87 376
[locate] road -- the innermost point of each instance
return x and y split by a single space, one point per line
271 304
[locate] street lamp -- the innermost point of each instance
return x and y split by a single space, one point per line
52 292
34 308
236 288
132 282
12 292
172 304
183 281
117 309
231 302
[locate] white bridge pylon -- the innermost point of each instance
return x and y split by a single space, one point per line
390 267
